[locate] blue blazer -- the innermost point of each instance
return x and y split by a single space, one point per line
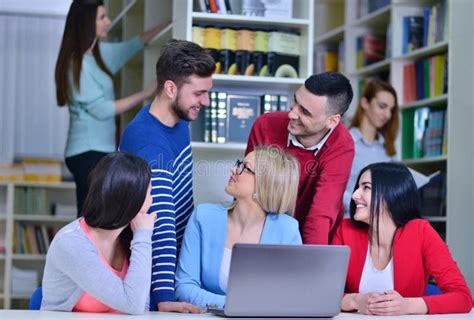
197 277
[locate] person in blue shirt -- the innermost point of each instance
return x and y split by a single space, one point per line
374 128
84 82
159 133
265 187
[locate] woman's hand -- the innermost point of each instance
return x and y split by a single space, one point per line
143 221
362 301
392 303
358 301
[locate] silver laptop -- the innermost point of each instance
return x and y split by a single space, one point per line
285 281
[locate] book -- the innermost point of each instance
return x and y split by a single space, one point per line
243 111
433 195
420 125
412 33
213 117
283 104
370 49
221 117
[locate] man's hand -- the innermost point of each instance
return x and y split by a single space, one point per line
175 306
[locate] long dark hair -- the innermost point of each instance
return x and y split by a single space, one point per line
390 130
79 34
393 188
117 189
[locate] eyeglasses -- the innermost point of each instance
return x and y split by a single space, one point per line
241 167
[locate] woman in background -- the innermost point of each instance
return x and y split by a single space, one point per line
374 128
394 251
84 82
264 186
102 261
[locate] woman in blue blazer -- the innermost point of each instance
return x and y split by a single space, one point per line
265 187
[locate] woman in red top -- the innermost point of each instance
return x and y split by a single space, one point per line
394 251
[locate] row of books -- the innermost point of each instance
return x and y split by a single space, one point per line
32 170
230 117
425 78
426 30
274 8
329 58
430 127
30 201
371 48
215 6
32 239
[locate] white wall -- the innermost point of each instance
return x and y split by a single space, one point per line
31 124
36 7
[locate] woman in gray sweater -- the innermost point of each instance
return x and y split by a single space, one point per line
102 262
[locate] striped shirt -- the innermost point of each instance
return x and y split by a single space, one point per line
168 152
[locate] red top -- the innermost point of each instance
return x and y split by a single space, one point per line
418 252
323 178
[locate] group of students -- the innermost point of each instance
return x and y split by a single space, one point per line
138 216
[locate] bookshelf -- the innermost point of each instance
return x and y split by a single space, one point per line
455 225
37 199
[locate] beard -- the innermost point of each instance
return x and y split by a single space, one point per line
180 111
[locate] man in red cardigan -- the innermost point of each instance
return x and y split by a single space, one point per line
312 131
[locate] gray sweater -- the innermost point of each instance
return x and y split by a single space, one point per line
73 266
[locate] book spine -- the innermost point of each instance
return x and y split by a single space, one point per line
221 117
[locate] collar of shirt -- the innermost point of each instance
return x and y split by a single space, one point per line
293 140
357 135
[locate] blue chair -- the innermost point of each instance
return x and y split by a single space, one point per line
432 290
36 298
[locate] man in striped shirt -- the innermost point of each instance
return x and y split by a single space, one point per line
159 133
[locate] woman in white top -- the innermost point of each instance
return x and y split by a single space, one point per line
374 128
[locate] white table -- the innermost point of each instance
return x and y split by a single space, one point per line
50 315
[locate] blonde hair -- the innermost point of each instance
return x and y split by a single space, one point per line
277 176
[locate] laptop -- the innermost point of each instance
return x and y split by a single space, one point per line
285 281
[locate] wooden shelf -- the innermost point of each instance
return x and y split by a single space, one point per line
372 68
431 102
440 47
334 35
248 20
42 218
374 19
219 146
427 160
28 257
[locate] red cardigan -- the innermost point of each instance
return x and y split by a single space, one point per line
323 178
418 252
